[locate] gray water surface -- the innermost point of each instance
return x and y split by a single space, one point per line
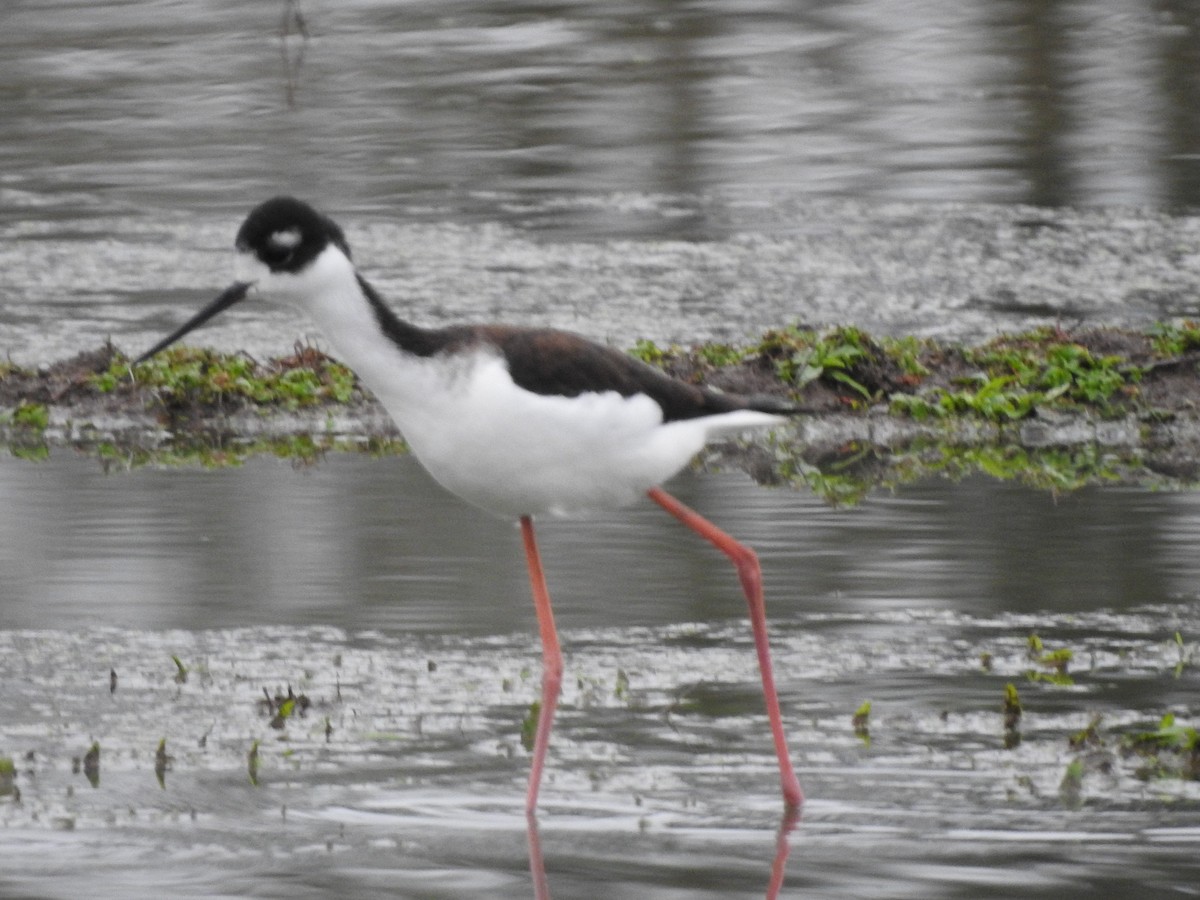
364 544
404 616
629 170
480 107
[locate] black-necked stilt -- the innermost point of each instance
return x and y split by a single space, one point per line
519 421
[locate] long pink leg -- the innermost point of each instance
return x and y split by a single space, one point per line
750 575
552 662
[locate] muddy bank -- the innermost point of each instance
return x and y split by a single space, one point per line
1051 407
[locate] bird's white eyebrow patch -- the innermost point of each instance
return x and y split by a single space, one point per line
286 239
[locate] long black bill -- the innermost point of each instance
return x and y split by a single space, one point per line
228 297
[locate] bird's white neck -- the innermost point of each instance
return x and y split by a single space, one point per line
331 294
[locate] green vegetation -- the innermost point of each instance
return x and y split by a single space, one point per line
967 405
1070 789
1089 736
1174 338
529 725
30 451
214 453
1012 716
161 762
860 721
842 357
1012 377
34 416
252 763
1004 380
283 713
8 775
1168 735
1050 364
838 481
621 691
802 356
1023 407
1046 468
856 469
1053 664
649 352
91 764
1169 751
182 376
1185 655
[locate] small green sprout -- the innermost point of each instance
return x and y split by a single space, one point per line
648 352
252 763
1088 736
161 762
1012 716
283 712
91 764
1185 655
1055 661
8 775
1035 646
621 691
1070 789
529 725
1169 735
720 355
1170 751
860 721
1175 338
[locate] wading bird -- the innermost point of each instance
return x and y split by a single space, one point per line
517 421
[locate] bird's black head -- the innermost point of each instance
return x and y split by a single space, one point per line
283 234
287 234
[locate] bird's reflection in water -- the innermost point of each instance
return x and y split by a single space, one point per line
791 817
537 865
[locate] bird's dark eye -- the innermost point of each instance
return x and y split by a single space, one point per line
277 250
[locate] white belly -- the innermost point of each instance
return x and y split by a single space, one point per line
515 452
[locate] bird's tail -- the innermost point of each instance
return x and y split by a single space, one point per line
778 406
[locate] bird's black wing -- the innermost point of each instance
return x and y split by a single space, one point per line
549 362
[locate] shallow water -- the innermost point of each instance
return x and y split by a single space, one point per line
363 544
404 616
629 170
482 106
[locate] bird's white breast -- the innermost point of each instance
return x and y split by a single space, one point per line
515 452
